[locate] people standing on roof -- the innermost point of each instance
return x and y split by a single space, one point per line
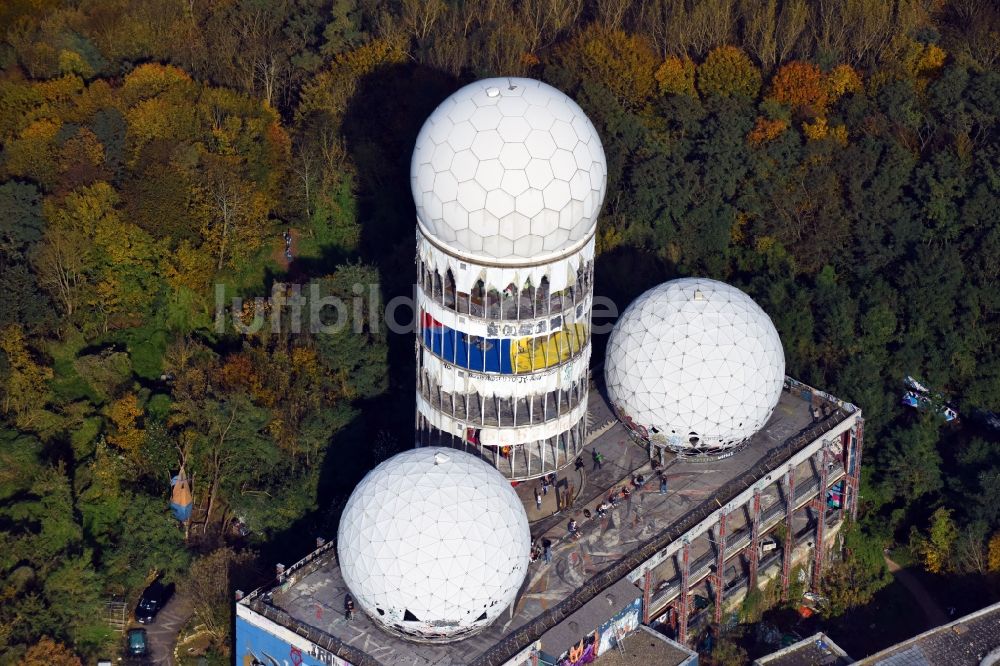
598 459
349 607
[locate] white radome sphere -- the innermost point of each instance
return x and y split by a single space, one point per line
508 170
695 365
434 544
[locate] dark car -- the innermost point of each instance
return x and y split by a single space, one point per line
150 603
137 646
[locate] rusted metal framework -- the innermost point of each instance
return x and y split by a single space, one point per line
647 594
789 546
820 519
720 566
684 606
754 537
853 468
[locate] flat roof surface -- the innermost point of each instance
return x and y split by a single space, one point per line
645 647
316 598
817 650
964 642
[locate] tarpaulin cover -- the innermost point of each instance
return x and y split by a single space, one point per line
181 500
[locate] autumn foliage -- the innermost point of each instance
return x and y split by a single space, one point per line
766 129
800 85
48 652
836 160
728 72
676 76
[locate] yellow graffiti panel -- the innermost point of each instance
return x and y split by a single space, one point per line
530 354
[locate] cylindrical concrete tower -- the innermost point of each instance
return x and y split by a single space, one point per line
508 176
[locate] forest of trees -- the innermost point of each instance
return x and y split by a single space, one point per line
838 160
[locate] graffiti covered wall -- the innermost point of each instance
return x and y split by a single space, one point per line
260 642
621 624
601 640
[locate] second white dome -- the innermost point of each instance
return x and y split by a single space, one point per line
695 364
508 170
434 544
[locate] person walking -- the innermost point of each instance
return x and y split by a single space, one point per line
547 551
579 463
663 483
538 499
349 608
573 528
598 459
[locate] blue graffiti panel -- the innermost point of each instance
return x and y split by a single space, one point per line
257 647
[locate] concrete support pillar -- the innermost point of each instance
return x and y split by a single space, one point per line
821 519
754 537
720 566
789 546
853 482
647 594
682 620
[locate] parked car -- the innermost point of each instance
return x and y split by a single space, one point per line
150 603
137 646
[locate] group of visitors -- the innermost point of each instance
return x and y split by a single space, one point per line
564 492
618 494
543 549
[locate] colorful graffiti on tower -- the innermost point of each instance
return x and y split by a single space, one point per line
507 356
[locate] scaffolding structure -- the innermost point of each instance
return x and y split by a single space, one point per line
720 566
789 545
754 537
684 605
820 503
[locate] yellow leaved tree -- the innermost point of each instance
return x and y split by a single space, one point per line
728 72
126 435
24 390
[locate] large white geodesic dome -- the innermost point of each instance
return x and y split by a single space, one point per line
508 170
434 544
695 365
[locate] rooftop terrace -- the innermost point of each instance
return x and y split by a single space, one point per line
609 548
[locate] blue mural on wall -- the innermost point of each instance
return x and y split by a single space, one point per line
257 647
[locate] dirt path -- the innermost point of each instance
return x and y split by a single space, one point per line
162 633
935 616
